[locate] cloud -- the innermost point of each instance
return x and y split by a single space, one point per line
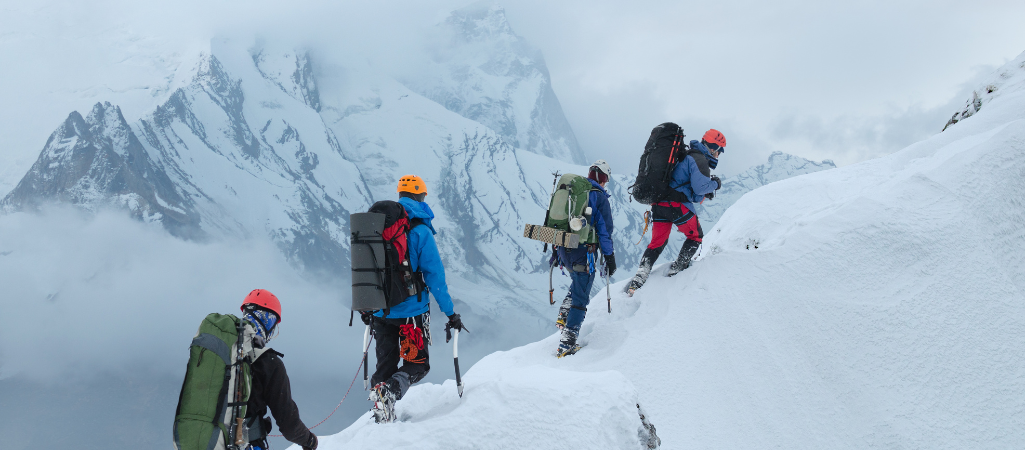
849 138
104 293
101 309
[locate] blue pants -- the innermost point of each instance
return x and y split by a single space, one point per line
580 292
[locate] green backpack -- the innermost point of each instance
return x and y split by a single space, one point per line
213 398
568 210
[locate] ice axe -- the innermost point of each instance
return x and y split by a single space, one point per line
455 355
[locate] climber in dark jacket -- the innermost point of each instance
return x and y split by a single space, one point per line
691 183
583 260
271 387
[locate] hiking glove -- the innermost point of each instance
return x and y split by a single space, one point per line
453 322
366 317
718 182
710 195
610 264
312 443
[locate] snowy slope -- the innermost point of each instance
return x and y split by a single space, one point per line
877 305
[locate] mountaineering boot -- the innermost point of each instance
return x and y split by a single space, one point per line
683 260
568 343
384 403
560 322
647 260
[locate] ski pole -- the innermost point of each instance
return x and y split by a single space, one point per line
555 179
608 294
455 359
237 410
605 276
366 348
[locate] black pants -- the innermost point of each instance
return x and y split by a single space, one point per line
389 351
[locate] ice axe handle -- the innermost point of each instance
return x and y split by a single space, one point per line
366 348
455 359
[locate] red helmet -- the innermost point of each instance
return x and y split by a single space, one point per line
264 299
715 137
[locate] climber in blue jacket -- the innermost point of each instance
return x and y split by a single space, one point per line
404 334
691 183
583 260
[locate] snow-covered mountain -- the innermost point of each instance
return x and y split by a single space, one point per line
482 70
878 305
256 141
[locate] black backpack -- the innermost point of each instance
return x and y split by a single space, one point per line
665 148
381 273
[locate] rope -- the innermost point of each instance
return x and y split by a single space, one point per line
647 219
339 403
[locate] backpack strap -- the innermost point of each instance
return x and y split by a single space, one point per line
418 276
701 161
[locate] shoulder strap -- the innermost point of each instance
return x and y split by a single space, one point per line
257 353
701 161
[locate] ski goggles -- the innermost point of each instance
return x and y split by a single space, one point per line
715 147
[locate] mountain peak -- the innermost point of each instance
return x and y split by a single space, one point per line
483 20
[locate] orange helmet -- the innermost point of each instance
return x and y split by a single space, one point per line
264 299
715 137
412 184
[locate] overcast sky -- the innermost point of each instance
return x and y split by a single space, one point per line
823 80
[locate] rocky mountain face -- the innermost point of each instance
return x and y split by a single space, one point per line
487 73
99 161
256 142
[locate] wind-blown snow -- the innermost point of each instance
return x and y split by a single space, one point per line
877 305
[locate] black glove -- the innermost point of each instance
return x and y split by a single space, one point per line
610 264
312 443
718 182
710 195
453 323
366 317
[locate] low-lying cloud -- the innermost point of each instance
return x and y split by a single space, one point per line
85 294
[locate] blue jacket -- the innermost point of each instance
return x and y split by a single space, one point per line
424 257
691 179
601 220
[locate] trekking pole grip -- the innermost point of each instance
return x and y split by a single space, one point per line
239 439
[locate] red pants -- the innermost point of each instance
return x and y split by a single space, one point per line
667 214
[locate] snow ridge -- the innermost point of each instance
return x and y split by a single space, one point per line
779 167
